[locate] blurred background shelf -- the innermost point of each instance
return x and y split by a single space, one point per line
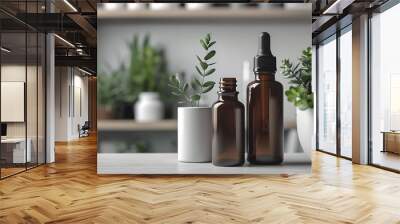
256 13
131 125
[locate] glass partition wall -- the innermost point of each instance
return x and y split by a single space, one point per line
385 89
22 77
345 93
327 95
334 84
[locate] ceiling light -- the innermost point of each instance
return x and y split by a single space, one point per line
5 50
70 5
64 40
84 71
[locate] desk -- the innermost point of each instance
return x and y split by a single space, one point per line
15 148
391 141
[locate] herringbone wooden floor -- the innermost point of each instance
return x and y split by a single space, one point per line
70 191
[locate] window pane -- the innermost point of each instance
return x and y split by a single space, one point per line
385 84
327 96
345 94
15 150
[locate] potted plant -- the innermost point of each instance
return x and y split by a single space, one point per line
146 73
113 94
301 95
141 82
194 121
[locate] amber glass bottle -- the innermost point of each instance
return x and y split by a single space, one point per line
265 109
228 126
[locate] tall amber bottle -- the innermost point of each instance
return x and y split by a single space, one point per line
228 126
265 109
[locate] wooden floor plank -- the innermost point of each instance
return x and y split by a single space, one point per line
70 191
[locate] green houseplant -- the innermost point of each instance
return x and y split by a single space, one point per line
301 95
199 85
145 72
194 121
113 91
299 75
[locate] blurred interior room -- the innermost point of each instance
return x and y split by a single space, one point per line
29 59
55 106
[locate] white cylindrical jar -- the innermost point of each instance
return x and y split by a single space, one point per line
194 134
149 107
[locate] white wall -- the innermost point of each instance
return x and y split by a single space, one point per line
236 42
70 81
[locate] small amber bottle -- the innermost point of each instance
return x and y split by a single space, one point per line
228 126
265 109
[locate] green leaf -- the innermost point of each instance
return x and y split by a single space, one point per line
211 44
175 93
173 82
204 65
199 59
173 86
207 89
212 63
209 72
208 38
194 85
185 87
204 45
195 97
208 83
197 82
209 55
198 70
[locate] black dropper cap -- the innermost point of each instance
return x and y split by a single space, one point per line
264 62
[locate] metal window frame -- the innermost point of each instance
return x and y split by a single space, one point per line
44 73
339 32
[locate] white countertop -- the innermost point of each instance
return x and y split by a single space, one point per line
132 125
166 163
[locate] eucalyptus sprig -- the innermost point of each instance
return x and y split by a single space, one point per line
199 84
300 92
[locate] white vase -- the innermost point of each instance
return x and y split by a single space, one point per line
305 129
194 134
149 107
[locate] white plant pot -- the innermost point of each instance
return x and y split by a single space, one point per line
305 129
194 134
149 107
